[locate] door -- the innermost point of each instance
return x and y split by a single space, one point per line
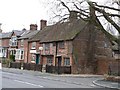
37 58
59 65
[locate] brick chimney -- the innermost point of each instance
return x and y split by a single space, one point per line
73 15
33 26
43 23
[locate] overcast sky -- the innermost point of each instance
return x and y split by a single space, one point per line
19 14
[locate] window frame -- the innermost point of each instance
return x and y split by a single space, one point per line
66 62
47 46
49 60
33 46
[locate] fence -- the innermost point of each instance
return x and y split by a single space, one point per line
15 65
114 68
26 66
31 66
58 69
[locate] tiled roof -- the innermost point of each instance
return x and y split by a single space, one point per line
5 35
60 31
28 34
18 33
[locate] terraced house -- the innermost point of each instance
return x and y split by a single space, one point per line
23 47
76 44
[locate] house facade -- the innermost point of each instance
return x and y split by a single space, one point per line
13 42
4 44
34 45
77 44
23 45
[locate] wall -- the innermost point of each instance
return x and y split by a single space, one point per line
30 54
90 46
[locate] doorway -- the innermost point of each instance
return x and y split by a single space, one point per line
37 58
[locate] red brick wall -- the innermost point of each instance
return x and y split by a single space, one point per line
90 52
5 42
37 49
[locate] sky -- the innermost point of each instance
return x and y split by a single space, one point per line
19 14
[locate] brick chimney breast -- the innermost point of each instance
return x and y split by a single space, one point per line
33 26
43 23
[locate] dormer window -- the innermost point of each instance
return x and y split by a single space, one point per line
13 41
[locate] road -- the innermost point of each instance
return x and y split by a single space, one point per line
21 79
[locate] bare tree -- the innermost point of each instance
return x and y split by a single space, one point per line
107 13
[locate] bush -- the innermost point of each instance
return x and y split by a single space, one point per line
12 58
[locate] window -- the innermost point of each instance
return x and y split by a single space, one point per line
13 41
47 46
66 61
33 57
49 60
33 45
12 52
22 42
19 54
61 45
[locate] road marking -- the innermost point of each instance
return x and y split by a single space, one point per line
28 83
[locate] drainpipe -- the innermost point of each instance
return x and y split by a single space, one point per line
56 54
27 51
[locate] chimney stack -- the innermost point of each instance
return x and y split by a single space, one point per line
33 26
73 15
43 23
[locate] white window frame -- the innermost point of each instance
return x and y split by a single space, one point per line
19 54
33 45
13 41
21 42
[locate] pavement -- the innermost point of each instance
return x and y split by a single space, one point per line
99 81
107 84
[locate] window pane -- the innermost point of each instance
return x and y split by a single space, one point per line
33 45
66 61
49 60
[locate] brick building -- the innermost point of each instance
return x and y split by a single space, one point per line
34 50
75 43
23 46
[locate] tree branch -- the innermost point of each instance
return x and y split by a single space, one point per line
106 16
